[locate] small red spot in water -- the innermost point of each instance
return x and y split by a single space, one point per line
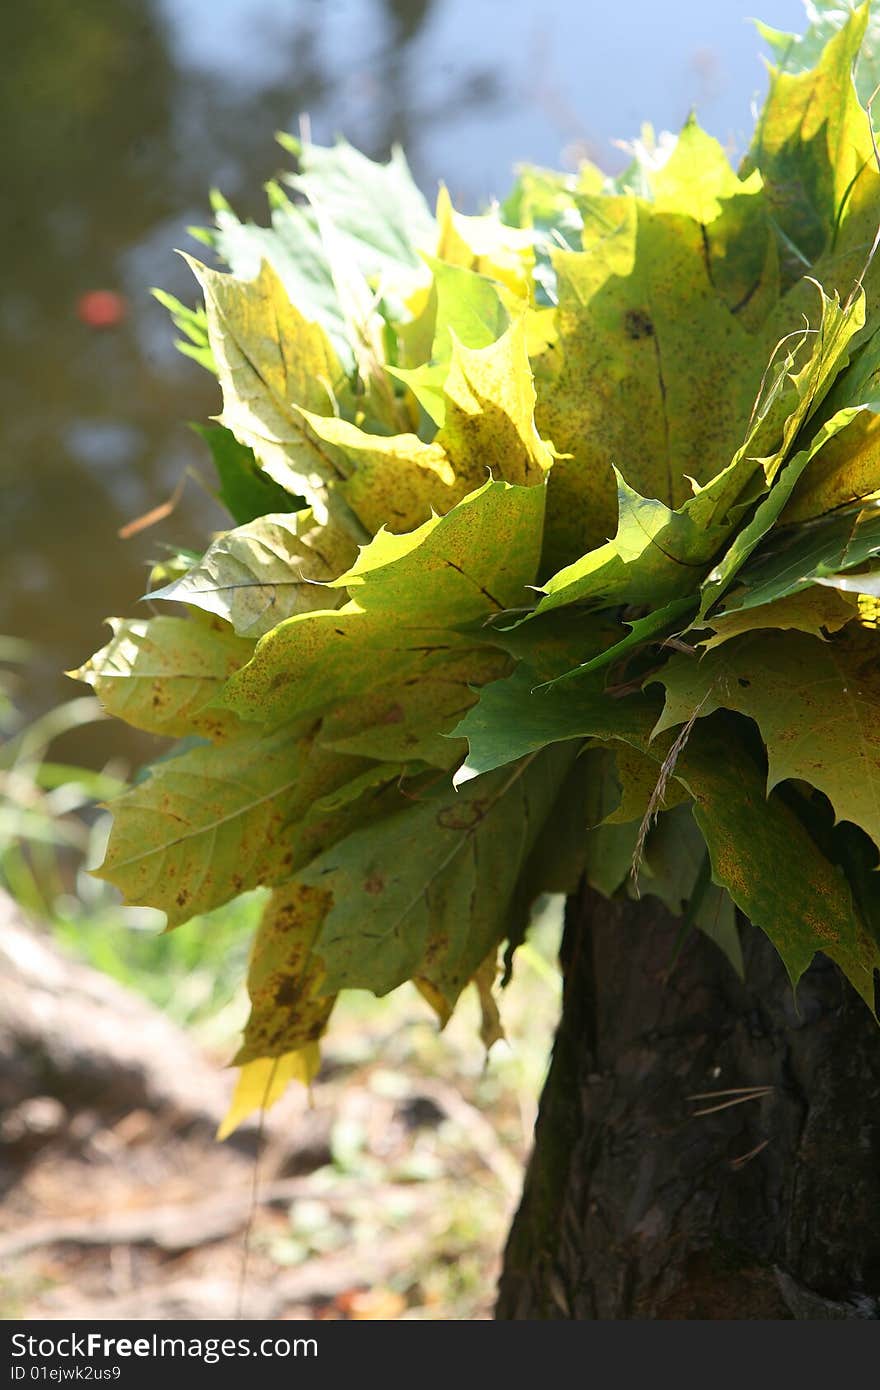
101 308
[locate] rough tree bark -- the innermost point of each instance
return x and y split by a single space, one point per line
636 1207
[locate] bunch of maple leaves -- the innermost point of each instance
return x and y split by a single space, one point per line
417 684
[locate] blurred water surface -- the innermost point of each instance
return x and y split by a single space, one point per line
119 115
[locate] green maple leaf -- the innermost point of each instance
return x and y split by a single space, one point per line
427 894
774 871
193 324
770 508
245 490
656 554
519 715
379 218
214 822
398 633
376 209
814 702
813 149
797 557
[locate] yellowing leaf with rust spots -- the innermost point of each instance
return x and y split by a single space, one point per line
849 472
163 675
213 822
410 596
643 342
490 412
740 245
415 723
270 360
387 480
289 1011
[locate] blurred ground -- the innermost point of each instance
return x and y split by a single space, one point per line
386 1194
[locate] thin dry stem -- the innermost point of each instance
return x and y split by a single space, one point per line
749 1093
743 1159
659 793
255 1194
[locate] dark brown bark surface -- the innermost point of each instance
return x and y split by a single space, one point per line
636 1207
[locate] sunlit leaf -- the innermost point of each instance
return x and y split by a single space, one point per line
262 1083
265 571
164 675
